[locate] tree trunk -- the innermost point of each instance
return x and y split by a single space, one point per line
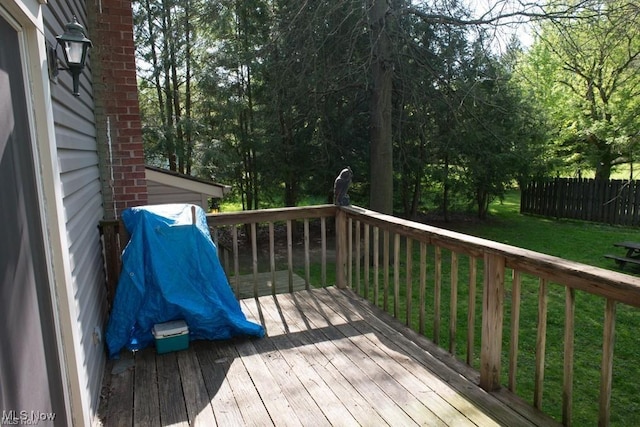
188 134
381 174
154 61
445 189
175 95
169 134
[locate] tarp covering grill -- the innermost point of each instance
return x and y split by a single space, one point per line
171 270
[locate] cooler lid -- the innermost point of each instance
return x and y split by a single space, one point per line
175 327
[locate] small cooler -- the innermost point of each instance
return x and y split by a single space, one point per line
171 336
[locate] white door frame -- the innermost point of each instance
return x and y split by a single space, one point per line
26 17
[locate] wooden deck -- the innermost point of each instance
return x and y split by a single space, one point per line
263 283
330 359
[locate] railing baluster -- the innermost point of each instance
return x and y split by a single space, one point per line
515 329
323 243
358 260
376 261
453 304
385 262
437 288
307 263
409 281
225 257
350 252
236 261
492 318
290 254
541 343
272 258
471 314
254 252
606 369
396 275
343 258
423 285
366 260
569 332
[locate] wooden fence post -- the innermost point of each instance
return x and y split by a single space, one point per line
341 248
492 318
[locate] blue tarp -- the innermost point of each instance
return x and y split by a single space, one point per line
171 270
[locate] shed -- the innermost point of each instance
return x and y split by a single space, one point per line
165 186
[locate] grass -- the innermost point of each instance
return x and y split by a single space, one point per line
580 241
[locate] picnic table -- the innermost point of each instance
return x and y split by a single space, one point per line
632 255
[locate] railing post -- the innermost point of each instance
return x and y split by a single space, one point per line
606 369
492 318
341 248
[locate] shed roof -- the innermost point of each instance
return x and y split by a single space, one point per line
186 182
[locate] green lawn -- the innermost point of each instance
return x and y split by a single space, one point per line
580 241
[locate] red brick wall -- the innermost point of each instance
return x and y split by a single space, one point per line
117 111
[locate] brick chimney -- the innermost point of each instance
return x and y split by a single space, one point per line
117 113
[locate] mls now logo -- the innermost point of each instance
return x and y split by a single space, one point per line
25 417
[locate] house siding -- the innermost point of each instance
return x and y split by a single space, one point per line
78 164
161 193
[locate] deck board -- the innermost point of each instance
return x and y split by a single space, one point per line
329 358
120 404
342 399
393 403
146 401
214 372
436 365
413 385
264 283
172 403
195 393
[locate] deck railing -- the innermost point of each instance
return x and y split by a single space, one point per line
386 259
464 293
238 232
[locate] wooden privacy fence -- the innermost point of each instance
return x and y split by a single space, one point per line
607 201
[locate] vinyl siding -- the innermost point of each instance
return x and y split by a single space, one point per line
77 157
161 193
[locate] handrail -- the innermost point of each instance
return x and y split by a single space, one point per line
595 280
271 215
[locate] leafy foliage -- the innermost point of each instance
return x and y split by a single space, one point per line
275 97
585 74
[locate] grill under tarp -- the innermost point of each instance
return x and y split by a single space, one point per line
171 270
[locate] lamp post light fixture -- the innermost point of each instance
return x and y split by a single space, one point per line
75 45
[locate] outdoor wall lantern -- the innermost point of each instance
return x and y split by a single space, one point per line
75 46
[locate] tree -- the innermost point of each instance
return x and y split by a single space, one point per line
164 37
293 91
590 85
499 132
383 15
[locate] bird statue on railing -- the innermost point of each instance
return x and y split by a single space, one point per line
341 186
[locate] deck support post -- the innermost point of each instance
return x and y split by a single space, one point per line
492 319
341 248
